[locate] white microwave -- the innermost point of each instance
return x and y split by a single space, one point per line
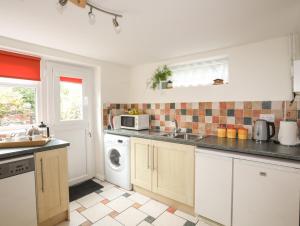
135 122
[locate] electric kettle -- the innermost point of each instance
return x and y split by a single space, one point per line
288 133
262 130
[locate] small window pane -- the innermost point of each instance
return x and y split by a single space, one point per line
202 72
17 105
70 100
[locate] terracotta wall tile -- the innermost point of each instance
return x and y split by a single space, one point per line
183 105
202 119
247 113
256 113
239 120
223 112
222 105
223 120
247 105
215 119
195 112
230 105
190 111
201 112
208 105
238 113
201 106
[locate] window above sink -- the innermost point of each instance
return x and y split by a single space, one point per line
201 72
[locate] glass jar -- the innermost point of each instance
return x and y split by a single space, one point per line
44 129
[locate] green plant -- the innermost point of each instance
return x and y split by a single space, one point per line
160 74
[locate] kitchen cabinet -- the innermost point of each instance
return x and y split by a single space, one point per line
163 168
52 186
265 194
141 153
173 171
213 181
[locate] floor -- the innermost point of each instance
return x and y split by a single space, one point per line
113 206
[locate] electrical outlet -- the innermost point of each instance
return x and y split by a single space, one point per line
267 117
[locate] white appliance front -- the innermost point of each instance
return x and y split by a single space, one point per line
117 160
17 194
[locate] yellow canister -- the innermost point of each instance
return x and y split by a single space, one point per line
243 133
221 132
231 133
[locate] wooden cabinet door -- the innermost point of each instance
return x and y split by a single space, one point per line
173 171
51 183
141 156
265 194
213 193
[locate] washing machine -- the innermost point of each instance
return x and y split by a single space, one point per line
117 160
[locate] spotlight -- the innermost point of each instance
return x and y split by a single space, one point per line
92 16
62 2
60 5
116 25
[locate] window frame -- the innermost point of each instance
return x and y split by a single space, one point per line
203 60
10 82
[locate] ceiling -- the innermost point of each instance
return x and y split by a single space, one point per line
151 30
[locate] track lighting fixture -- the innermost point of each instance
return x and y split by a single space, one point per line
92 17
62 2
116 25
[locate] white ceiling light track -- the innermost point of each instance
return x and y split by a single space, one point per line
92 17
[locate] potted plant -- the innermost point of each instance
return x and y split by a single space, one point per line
160 78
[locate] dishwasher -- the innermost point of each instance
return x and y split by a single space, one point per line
17 192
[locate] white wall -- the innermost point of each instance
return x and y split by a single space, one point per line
114 83
258 71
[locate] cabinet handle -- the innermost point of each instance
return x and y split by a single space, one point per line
148 164
263 174
153 158
42 174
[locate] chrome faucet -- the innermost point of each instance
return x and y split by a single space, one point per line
177 130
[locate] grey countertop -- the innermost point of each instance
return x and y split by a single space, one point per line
251 147
15 152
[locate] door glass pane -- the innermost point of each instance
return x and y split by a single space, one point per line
115 157
71 99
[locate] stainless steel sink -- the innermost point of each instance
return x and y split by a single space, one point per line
184 136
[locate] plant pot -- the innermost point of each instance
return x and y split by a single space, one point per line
163 84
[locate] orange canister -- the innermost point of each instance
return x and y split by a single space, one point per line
231 133
221 132
243 133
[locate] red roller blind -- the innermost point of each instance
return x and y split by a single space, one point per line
69 79
13 65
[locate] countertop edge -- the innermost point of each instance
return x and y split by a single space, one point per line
16 152
201 144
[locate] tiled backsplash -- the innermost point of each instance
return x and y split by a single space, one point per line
206 117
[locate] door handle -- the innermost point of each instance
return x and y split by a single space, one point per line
42 174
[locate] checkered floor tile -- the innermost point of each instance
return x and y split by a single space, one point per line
113 206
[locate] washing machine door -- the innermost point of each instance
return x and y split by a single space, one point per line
115 159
